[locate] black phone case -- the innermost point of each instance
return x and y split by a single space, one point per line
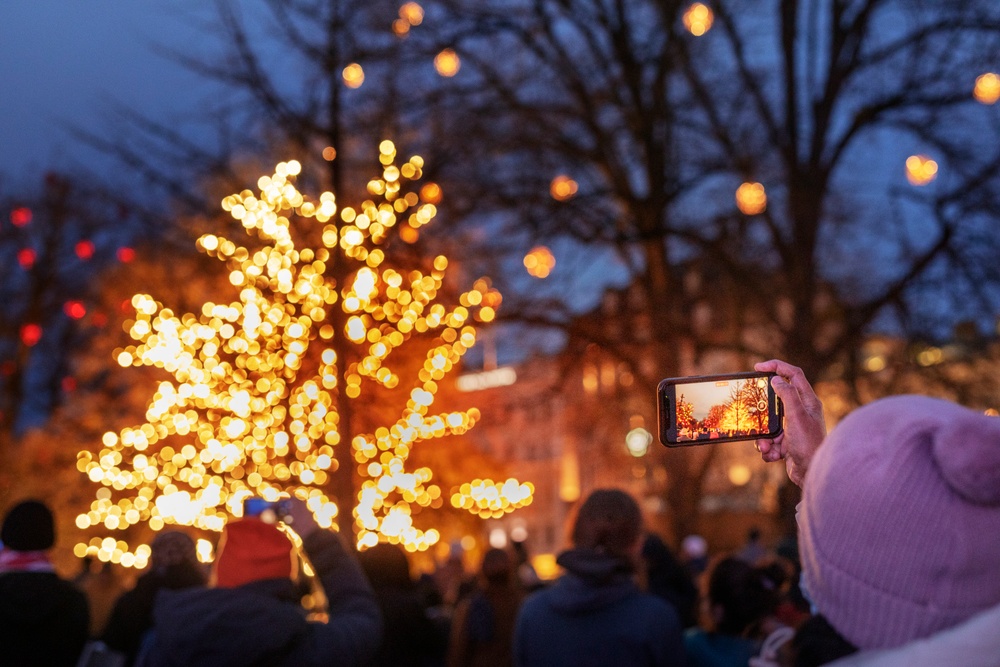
665 409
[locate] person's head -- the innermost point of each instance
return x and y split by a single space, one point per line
28 526
174 558
899 523
251 550
386 566
739 596
498 567
609 521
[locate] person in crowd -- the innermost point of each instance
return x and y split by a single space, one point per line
102 589
694 555
252 615
668 579
483 626
43 618
595 614
411 636
173 565
753 550
739 600
898 528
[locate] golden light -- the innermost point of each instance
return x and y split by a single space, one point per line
920 170
329 153
412 13
751 198
987 89
562 188
431 193
638 441
354 75
739 474
447 63
491 499
539 262
249 408
698 19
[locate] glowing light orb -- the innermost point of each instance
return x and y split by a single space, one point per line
920 170
353 75
698 19
562 188
751 198
447 63
987 89
539 262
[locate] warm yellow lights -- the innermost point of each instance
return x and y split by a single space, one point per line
739 474
353 75
491 499
447 63
412 13
562 188
751 198
920 170
987 88
250 409
698 19
539 262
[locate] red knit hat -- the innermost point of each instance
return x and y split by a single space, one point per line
251 550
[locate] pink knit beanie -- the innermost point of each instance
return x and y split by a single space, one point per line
899 528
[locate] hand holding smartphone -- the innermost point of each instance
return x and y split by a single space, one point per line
711 409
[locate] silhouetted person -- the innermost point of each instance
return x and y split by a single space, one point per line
898 526
411 637
43 619
253 613
173 565
483 627
753 550
668 579
595 614
738 601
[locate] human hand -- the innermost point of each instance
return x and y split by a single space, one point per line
804 428
302 520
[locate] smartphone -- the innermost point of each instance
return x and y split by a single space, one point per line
268 512
710 409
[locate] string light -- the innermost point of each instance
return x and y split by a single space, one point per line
751 198
920 170
250 406
698 19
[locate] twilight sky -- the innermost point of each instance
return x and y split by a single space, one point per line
65 61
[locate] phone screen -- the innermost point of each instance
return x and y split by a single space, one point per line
719 408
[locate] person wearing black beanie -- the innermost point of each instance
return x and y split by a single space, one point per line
43 618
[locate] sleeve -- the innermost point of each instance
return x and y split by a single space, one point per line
353 634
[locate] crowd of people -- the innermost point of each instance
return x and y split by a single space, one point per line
898 563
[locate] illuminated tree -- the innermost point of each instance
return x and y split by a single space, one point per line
251 409
685 413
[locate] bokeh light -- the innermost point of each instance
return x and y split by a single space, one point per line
751 198
354 75
987 89
249 408
698 19
539 262
920 170
447 63
562 188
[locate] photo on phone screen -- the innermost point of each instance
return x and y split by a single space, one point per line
718 408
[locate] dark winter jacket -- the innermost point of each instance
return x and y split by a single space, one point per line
596 615
43 620
132 615
261 623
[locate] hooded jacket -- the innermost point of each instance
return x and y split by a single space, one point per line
261 622
596 615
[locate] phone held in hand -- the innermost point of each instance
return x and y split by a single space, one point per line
709 409
268 512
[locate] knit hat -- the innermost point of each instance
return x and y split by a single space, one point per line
251 550
899 527
28 526
172 547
